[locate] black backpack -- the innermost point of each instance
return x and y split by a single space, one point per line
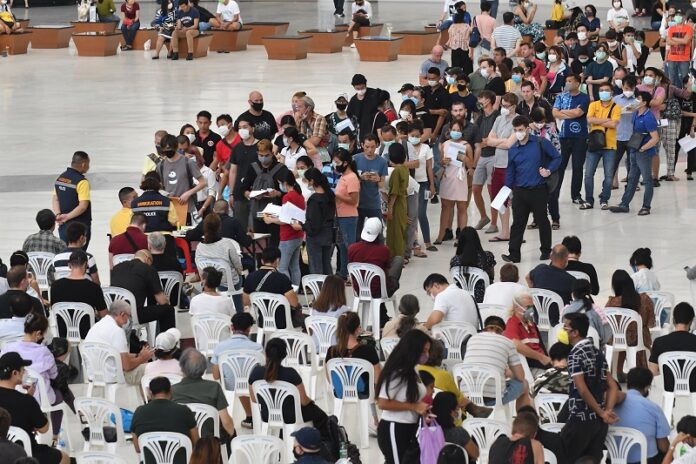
336 437
264 180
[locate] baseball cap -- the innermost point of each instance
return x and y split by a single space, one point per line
406 87
167 341
12 361
371 229
308 438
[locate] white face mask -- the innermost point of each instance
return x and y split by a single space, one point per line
582 35
223 131
244 133
361 92
520 135
628 93
504 111
612 43
618 82
648 80
693 4
191 137
617 5
404 114
485 72
553 58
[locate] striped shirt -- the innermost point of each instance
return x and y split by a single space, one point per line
506 36
497 352
60 262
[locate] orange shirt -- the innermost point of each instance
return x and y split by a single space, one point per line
680 52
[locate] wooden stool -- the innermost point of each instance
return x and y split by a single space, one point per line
263 29
230 41
96 44
378 48
51 36
549 36
142 36
23 23
325 41
82 26
445 34
416 42
200 45
15 43
287 47
372 30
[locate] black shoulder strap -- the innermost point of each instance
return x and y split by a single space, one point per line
131 241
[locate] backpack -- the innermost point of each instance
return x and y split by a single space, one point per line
336 438
264 180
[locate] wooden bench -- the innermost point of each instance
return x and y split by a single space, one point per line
364 31
378 48
416 42
200 45
263 29
549 36
142 36
83 26
325 41
16 43
230 41
96 44
287 47
51 36
445 34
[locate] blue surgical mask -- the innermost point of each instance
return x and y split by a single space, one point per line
671 23
282 188
604 95
455 135
516 78
345 146
405 97
600 55
451 80
386 144
414 100
264 159
414 140
541 55
180 151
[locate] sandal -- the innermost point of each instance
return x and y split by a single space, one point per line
431 248
555 226
498 239
437 242
419 254
532 226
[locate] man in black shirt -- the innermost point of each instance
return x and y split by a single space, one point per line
495 83
555 278
231 227
264 123
572 243
18 281
243 154
681 339
205 138
436 99
363 105
529 102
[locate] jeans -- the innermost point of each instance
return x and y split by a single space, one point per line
641 165
677 71
109 19
338 6
591 162
654 26
423 211
513 389
364 213
494 7
348 226
204 27
445 24
129 32
319 252
290 259
575 148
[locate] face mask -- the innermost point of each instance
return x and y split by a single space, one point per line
648 80
423 358
455 135
341 106
504 111
282 188
180 151
516 78
671 23
265 160
451 80
617 5
339 169
600 55
414 140
191 137
520 135
628 93
538 125
553 58
223 131
244 133
361 92
541 55
693 87
693 4
404 114
618 82
128 327
300 173
678 19
256 106
582 35
432 83
629 38
528 314
414 100
169 153
484 72
286 143
604 95
639 43
345 146
583 60
461 87
563 337
588 14
405 97
612 43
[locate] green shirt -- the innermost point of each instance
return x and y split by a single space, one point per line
106 8
160 415
200 391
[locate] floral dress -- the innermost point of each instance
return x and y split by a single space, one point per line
536 30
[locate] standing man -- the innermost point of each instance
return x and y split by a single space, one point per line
205 138
570 107
71 197
178 173
526 174
263 122
310 123
679 52
437 99
243 154
372 170
186 25
530 102
363 105
484 155
506 35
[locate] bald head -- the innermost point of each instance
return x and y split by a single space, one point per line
144 255
559 256
221 207
255 95
436 54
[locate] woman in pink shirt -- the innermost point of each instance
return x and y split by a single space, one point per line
347 197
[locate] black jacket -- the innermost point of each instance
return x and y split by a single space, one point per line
231 228
319 215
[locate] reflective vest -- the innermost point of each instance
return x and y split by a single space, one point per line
66 192
155 207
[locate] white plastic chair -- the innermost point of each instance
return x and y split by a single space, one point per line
467 277
99 413
554 427
223 266
122 258
549 457
302 357
40 263
311 285
323 330
388 345
473 379
579 275
7 339
619 320
364 303
172 283
97 457
257 449
112 294
543 300
273 395
681 365
484 432
556 329
487 310
209 330
345 374
20 437
528 376
239 363
102 367
205 413
47 407
619 442
72 314
145 382
662 302
163 446
61 274
266 305
548 405
453 335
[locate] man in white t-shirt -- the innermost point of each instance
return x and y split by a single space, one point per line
227 16
450 303
502 293
109 330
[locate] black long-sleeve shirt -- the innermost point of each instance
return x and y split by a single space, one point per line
231 228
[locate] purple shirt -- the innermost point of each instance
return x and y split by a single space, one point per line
42 361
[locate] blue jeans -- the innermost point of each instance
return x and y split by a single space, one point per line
202 27
436 165
575 148
445 24
290 259
641 165
109 19
129 32
348 226
591 162
494 7
677 71
423 211
364 213
513 389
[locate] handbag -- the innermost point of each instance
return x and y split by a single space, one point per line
475 36
431 439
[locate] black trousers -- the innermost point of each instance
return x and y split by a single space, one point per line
576 439
525 201
397 441
163 314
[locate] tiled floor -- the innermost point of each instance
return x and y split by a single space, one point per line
54 103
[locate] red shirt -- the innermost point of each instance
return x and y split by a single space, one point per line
286 230
121 245
223 151
529 334
370 253
539 70
130 10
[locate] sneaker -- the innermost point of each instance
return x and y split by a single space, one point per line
175 56
644 212
248 423
532 226
585 205
618 209
189 57
656 183
577 201
352 45
509 259
604 206
483 222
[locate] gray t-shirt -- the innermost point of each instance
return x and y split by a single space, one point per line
177 178
427 64
502 128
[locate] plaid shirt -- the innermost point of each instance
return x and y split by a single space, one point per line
43 240
582 360
316 127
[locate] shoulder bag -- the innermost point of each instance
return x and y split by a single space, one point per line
475 36
597 139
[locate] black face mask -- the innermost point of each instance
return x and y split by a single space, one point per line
341 169
169 153
461 87
257 106
341 106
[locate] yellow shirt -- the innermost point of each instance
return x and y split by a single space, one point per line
597 110
557 12
120 220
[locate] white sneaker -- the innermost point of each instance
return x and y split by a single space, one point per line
352 45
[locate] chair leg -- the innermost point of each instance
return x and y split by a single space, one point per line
364 417
668 404
374 307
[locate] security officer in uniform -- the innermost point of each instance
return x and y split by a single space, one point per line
157 208
71 197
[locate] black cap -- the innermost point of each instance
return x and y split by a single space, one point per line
308 437
358 79
12 361
406 87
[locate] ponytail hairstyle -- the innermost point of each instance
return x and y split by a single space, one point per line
408 307
642 257
582 290
276 351
346 326
212 277
319 179
292 182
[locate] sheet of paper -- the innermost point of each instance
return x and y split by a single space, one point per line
271 209
454 149
499 200
345 124
290 212
257 193
687 143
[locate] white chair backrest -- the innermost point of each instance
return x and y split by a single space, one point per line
556 329
163 446
145 382
349 371
311 285
99 413
99 457
467 277
21 437
267 304
323 331
61 273
239 363
453 335
388 345
122 258
543 300
579 275
548 405
112 294
472 380
273 395
102 363
300 347
257 449
172 283
681 364
549 457
484 432
619 442
363 274
554 427
72 314
487 310
209 330
40 262
41 387
7 339
205 413
662 301
619 320
219 264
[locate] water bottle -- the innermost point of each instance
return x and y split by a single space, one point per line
343 453
61 441
92 13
